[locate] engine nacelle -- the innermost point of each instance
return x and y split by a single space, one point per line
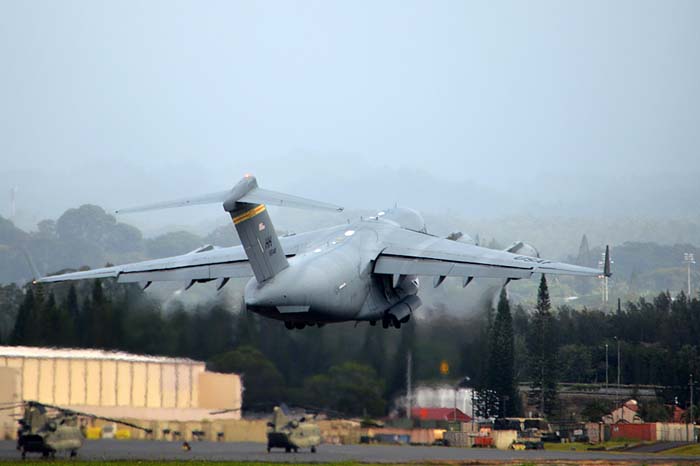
524 249
402 311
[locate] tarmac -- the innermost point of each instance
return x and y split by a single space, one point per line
101 450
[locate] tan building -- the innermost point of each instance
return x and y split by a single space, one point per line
117 384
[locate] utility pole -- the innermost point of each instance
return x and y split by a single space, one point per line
454 411
409 393
692 415
689 259
605 294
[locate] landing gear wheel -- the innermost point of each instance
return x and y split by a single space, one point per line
268 449
296 450
385 323
289 325
313 449
287 449
45 454
73 453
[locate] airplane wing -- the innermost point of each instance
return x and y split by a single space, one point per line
406 255
203 264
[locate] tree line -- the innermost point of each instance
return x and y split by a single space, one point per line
359 370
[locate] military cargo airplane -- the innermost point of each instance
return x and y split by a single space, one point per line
362 271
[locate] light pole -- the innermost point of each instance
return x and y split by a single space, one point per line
617 401
689 259
606 367
604 283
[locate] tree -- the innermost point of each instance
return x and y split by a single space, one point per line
350 387
49 322
261 379
170 244
542 349
70 316
584 253
11 298
501 359
25 331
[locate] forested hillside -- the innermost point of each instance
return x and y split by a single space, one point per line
351 369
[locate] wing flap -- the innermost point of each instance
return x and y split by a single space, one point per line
412 253
387 264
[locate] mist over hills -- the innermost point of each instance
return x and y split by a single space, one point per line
647 253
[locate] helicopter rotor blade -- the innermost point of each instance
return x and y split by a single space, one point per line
91 416
224 411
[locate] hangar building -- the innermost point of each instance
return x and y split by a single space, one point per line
117 384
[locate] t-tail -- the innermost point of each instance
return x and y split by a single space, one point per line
246 204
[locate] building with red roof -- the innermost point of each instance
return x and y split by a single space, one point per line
439 414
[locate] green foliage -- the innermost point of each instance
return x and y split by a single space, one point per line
262 381
652 411
173 244
351 388
576 363
595 410
542 348
660 344
11 296
501 379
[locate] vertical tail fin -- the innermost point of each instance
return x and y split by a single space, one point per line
259 240
245 202
255 229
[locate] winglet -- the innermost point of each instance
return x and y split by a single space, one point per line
35 272
606 266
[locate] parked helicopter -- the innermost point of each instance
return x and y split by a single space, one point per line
50 429
291 434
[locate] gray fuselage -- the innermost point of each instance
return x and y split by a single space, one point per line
331 279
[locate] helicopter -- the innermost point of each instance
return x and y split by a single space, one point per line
291 434
49 429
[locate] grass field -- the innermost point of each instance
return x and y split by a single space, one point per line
690 450
578 446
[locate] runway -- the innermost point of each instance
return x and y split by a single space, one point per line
101 450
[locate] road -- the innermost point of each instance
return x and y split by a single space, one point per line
157 450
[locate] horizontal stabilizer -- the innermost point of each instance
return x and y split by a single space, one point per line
265 196
245 191
195 200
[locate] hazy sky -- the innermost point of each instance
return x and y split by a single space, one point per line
484 107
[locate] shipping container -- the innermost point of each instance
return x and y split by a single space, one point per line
642 432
